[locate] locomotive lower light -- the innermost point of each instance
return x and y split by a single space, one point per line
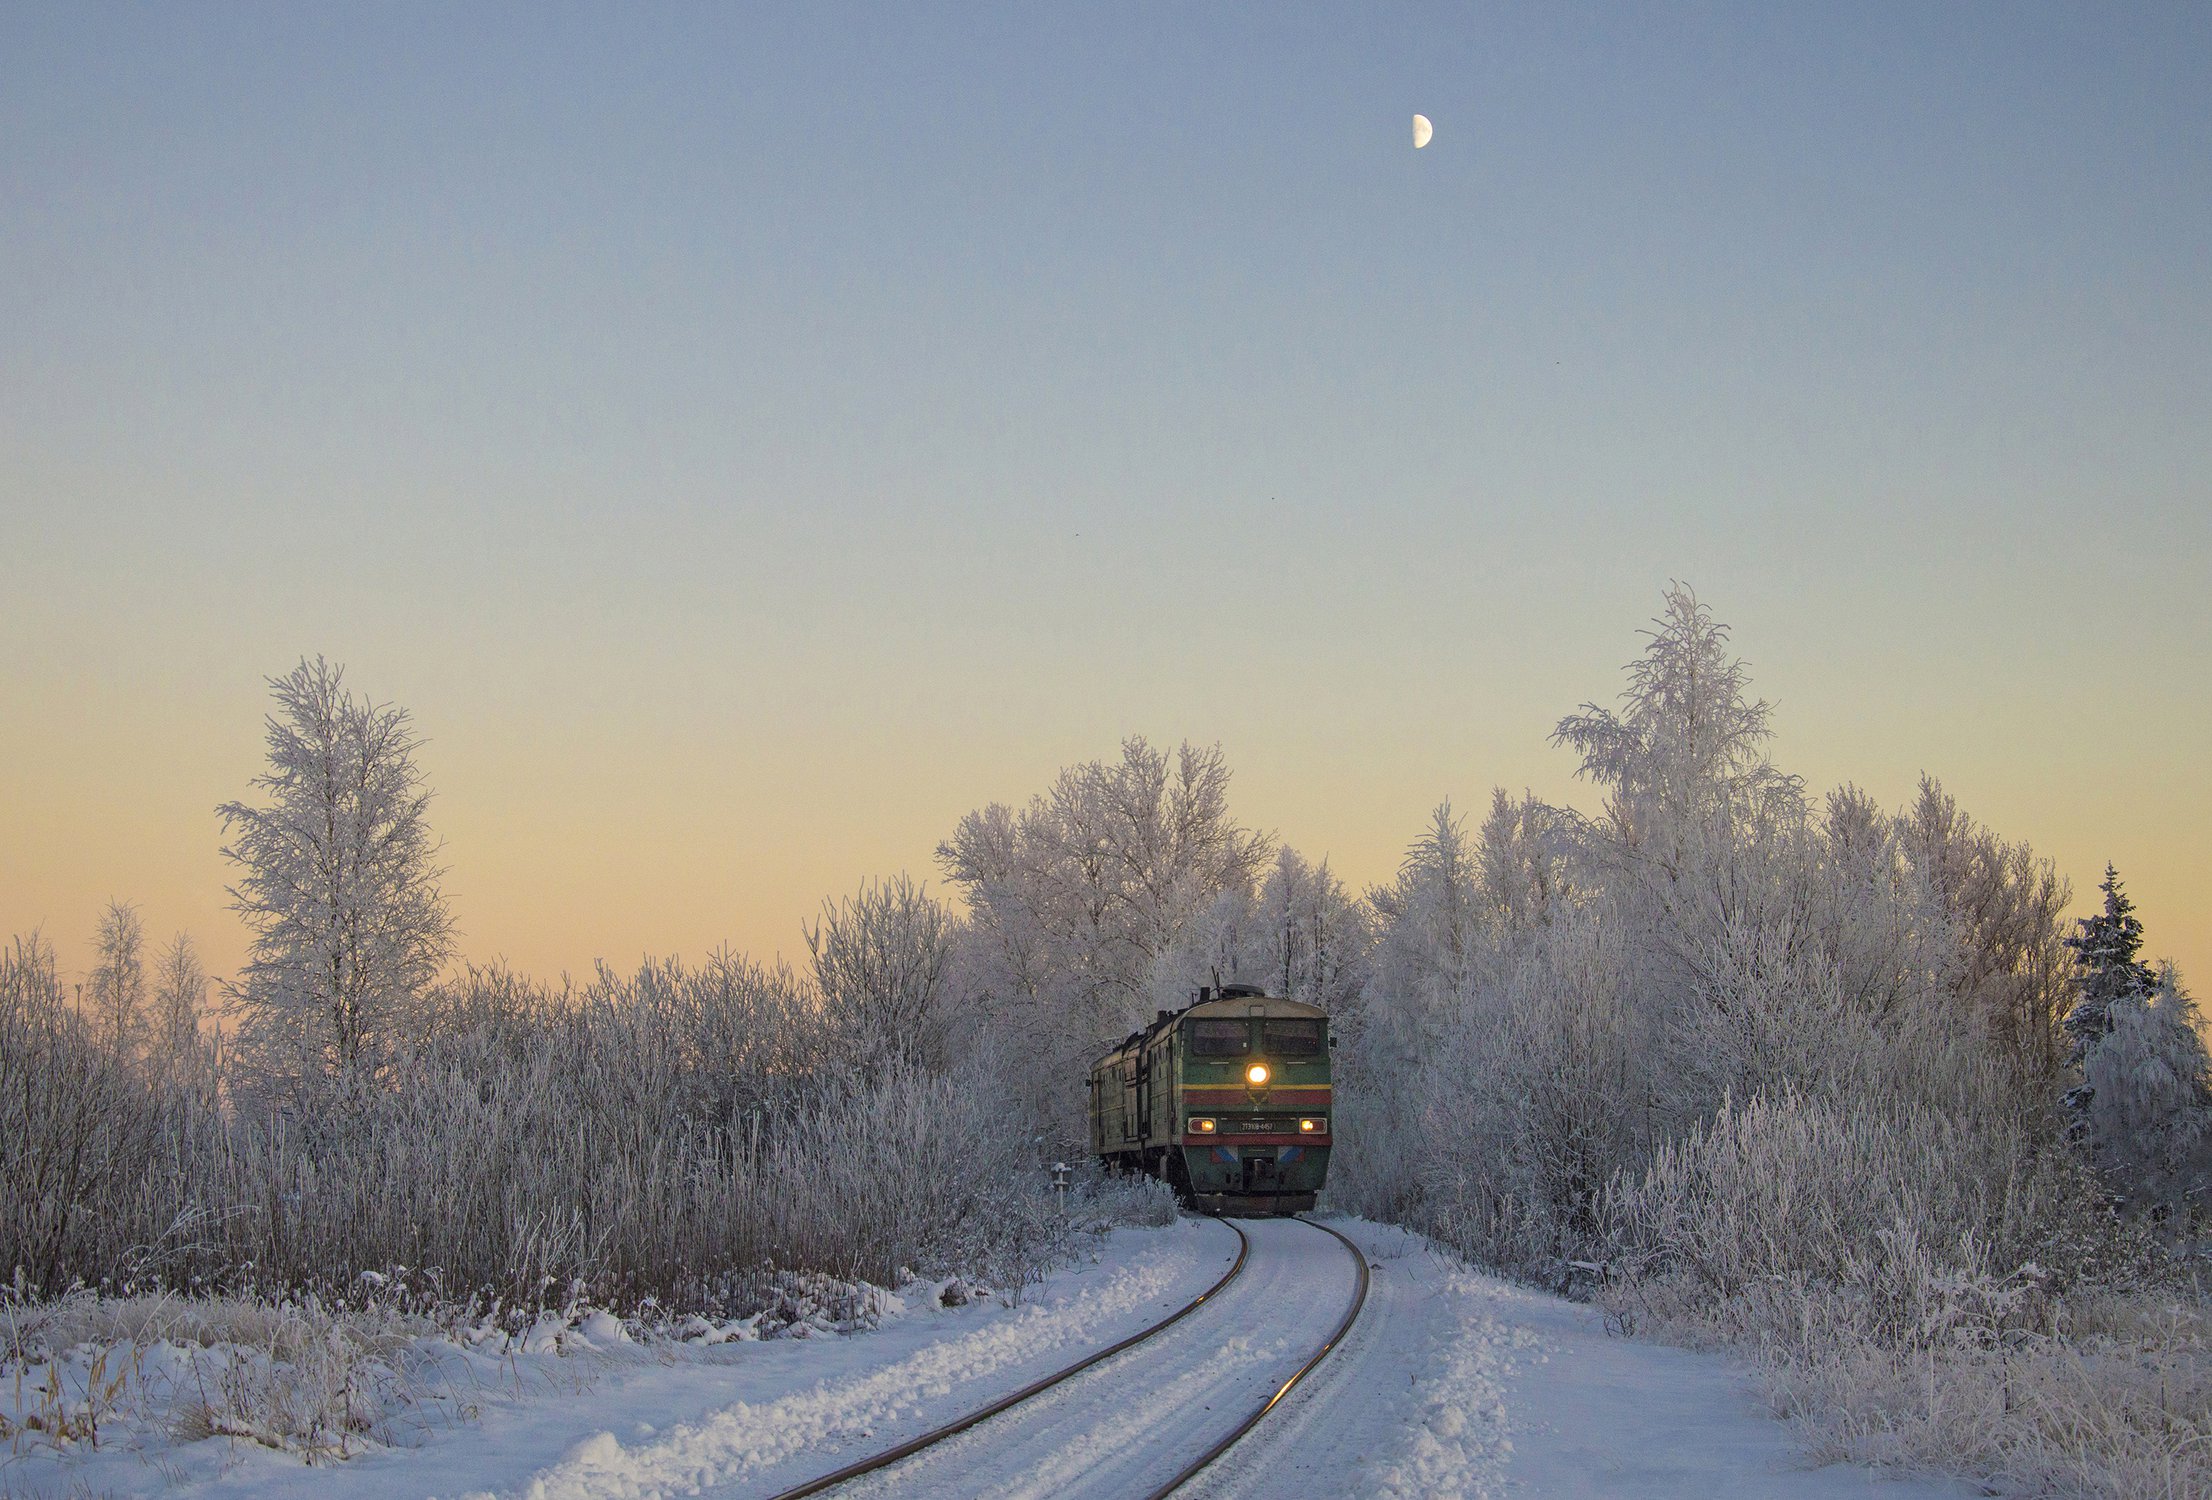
1311 1126
1256 1074
1202 1127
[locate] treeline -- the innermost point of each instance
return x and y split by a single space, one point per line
669 1138
1541 1005
1563 1003
661 1139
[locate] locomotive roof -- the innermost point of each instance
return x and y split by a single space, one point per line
1249 1005
1231 1007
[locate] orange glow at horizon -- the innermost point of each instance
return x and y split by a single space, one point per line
565 849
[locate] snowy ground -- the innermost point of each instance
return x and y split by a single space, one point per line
1455 1384
1451 1384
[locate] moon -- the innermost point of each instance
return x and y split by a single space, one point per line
1422 131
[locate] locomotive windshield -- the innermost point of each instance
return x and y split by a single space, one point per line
1220 1038
1291 1038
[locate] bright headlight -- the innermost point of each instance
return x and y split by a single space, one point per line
1312 1125
1256 1074
1202 1127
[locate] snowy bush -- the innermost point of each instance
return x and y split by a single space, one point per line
1806 1223
2146 1101
1100 1201
1920 1294
663 1140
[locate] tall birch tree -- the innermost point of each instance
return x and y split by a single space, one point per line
118 979
338 882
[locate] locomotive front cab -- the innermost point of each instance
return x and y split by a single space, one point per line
1255 1095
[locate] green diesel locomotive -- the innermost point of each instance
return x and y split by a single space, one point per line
1226 1100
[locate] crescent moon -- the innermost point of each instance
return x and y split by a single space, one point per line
1422 131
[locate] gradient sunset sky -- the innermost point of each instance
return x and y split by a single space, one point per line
747 440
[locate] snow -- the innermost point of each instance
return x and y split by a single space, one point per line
575 1414
602 1329
1451 1384
1177 1393
1455 1385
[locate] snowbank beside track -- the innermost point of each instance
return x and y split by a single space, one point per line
566 1413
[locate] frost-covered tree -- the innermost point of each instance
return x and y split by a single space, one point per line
180 995
30 980
1688 744
1522 855
1431 941
1697 868
2147 1112
2008 908
1308 937
1892 941
2109 969
338 883
116 991
1079 894
1430 926
1087 906
880 961
1300 935
1556 999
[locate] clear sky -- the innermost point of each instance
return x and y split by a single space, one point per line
746 441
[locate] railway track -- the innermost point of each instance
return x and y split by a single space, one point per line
890 1457
1351 1314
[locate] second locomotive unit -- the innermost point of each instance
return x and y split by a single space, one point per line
1226 1100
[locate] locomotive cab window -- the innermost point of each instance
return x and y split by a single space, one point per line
1292 1038
1220 1038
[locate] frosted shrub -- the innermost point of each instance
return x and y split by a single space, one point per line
2115 1403
2147 1115
910 1169
1924 1293
1797 1222
660 1142
93 1156
1521 1121
1099 1201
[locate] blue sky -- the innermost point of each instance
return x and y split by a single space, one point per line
749 439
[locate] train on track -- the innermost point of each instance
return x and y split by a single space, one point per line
1225 1100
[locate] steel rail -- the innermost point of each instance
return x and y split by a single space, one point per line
911 1446
1359 1300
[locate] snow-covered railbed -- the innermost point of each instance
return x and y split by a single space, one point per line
1128 1425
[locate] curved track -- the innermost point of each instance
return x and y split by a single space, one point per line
959 1425
1351 1314
1128 1428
